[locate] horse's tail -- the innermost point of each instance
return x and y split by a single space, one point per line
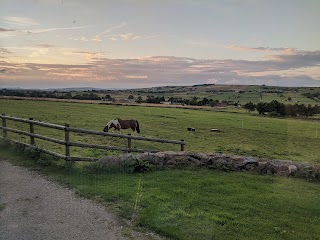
137 128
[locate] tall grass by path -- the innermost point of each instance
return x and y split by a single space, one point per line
197 204
242 134
216 205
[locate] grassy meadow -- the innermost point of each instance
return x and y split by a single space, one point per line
187 204
236 93
241 133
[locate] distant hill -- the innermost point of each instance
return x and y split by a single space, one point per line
73 89
200 94
219 88
176 89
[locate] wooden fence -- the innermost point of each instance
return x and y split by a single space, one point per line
68 143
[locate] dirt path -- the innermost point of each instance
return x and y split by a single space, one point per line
32 207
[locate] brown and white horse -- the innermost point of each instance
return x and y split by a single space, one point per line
119 124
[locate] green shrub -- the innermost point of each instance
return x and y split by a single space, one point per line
140 166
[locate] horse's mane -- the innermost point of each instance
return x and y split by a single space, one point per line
112 121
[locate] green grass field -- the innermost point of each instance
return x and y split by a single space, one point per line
243 94
188 204
241 133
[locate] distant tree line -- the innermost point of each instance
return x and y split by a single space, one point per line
315 96
87 96
195 101
27 93
275 108
49 94
153 99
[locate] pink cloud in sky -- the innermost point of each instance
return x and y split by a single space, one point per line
281 69
6 30
263 49
20 21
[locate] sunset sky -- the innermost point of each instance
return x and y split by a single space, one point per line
144 43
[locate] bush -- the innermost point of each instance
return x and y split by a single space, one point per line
31 152
128 166
139 166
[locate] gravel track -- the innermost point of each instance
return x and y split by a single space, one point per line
32 207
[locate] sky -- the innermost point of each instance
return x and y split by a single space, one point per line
145 43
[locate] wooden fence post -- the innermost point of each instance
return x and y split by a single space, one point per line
129 144
66 138
31 131
182 145
4 124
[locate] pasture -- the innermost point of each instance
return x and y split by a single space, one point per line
235 93
241 133
189 204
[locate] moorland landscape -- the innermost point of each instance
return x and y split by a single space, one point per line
149 120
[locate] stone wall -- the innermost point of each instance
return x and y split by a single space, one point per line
224 162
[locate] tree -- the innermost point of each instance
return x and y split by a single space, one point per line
68 95
139 100
193 101
249 106
261 107
204 101
108 97
152 99
292 110
276 108
213 103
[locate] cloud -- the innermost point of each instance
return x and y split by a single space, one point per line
43 30
4 51
20 21
131 37
136 77
39 52
6 30
88 55
86 39
108 30
45 45
98 38
125 37
299 69
299 59
175 70
262 49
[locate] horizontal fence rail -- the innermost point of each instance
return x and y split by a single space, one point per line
67 143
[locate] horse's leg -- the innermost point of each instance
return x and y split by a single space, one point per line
118 128
134 130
